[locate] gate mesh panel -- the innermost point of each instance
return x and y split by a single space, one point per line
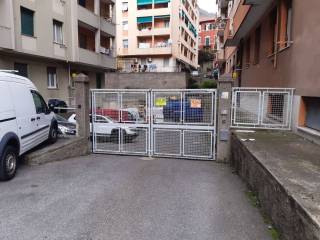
167 142
167 107
197 143
275 108
106 142
247 107
264 108
135 144
134 107
198 108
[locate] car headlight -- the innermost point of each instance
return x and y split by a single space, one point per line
63 129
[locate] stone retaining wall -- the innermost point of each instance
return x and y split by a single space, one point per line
289 217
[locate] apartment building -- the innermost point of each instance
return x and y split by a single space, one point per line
51 40
275 44
207 33
157 35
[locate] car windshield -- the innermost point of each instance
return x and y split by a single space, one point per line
60 118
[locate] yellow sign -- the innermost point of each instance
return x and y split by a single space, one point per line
160 102
195 103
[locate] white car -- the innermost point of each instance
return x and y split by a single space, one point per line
25 121
106 127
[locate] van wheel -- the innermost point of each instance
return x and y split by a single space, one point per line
53 134
8 163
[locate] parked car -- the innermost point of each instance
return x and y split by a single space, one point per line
25 121
106 127
195 73
56 104
65 128
116 114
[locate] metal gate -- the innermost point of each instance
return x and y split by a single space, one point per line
164 123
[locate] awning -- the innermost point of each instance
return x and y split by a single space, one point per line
161 1
144 20
143 2
161 16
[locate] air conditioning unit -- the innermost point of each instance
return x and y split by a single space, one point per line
149 59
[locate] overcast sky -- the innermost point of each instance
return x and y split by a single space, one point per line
208 5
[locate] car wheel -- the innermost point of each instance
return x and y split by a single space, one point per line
53 134
8 163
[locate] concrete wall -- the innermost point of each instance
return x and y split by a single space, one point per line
37 72
146 80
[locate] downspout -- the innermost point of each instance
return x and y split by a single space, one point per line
275 62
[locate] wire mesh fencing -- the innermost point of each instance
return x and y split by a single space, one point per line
119 121
183 123
168 123
263 108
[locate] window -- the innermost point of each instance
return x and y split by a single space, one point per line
40 104
125 7
257 40
57 32
166 23
27 24
311 112
22 69
82 3
125 25
285 23
82 40
125 43
98 81
207 41
52 77
166 62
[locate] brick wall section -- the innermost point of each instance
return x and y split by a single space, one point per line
146 80
289 217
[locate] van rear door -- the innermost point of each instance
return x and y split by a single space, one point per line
7 114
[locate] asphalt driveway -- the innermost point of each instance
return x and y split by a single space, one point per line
128 198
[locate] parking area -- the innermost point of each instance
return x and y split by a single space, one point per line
102 197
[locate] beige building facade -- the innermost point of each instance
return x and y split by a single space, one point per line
51 40
157 35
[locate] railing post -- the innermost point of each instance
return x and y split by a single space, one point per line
225 84
82 105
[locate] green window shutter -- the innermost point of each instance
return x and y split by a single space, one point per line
27 24
162 17
144 20
143 2
161 1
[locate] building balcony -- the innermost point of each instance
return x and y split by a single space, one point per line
108 26
88 17
91 58
164 50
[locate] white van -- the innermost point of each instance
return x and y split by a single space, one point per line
25 121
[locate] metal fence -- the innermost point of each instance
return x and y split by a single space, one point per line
173 123
264 108
183 123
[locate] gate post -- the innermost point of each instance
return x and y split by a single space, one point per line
82 105
225 84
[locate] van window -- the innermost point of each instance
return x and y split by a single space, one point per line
41 106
